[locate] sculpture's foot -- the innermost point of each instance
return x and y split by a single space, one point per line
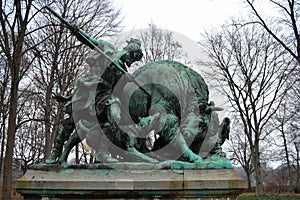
138 155
216 162
192 157
63 164
52 158
105 158
62 160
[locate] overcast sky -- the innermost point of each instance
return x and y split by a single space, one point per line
188 17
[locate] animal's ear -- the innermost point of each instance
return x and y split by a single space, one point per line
227 120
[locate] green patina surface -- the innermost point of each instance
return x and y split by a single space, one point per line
209 163
166 97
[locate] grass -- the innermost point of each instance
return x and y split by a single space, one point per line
251 196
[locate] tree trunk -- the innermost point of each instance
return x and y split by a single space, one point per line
48 107
48 104
59 116
298 171
3 117
286 155
77 154
2 145
48 144
7 171
248 182
14 63
257 169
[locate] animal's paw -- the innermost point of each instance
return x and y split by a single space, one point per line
151 160
52 158
192 157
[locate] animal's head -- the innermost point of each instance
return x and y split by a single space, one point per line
205 110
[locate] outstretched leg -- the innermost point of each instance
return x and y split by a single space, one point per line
188 153
73 141
171 134
64 133
96 139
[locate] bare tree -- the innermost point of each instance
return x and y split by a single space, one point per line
159 44
280 123
293 125
289 37
286 125
251 71
239 149
287 21
29 133
14 18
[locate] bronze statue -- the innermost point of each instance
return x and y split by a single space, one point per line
117 115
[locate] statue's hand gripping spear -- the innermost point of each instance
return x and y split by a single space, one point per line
81 36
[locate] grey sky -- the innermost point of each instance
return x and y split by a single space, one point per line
189 17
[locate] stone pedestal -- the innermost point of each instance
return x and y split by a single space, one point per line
78 183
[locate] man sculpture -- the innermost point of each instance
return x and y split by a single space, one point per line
105 82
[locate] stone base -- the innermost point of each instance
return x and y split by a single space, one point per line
74 183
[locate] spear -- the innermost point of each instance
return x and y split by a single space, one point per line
81 35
